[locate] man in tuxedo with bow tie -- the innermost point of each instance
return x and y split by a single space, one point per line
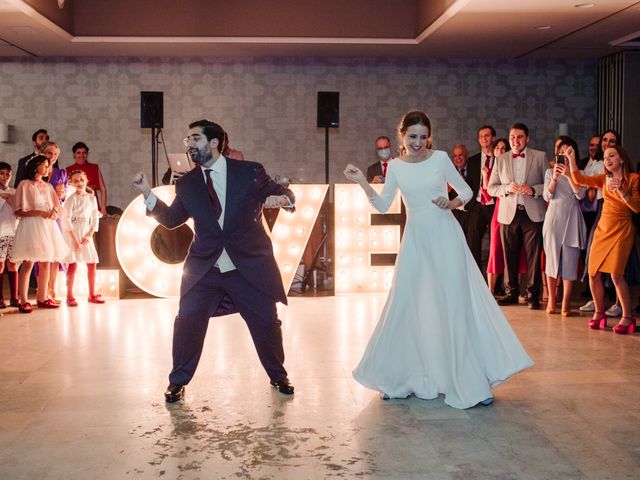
230 264
518 179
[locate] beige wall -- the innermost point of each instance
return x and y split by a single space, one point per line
268 106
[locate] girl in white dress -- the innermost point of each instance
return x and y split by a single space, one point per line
441 331
82 216
38 238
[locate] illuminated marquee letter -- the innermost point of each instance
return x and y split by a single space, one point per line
291 231
133 240
356 239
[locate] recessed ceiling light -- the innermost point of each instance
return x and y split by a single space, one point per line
542 27
584 5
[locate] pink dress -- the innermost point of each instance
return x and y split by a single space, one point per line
38 239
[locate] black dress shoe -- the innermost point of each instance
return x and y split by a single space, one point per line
508 300
533 304
283 386
174 393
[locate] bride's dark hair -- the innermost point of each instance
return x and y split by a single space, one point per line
415 117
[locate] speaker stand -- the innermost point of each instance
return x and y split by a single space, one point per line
321 261
154 156
326 155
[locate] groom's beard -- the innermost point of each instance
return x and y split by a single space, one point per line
200 157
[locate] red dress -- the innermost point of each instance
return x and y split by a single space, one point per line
92 171
495 263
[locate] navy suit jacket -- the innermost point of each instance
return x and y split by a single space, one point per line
243 236
19 175
373 170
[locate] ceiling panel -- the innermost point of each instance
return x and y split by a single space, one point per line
468 29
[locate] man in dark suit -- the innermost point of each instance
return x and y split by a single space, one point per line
471 218
377 171
481 206
231 257
39 138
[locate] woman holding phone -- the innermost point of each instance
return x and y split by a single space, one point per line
564 233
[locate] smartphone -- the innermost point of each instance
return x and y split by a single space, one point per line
560 159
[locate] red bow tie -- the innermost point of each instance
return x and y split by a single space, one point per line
516 155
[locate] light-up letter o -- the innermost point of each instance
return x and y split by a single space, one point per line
133 247
157 277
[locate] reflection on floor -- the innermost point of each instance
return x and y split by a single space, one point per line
81 398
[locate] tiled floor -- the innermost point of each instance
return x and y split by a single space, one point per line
81 398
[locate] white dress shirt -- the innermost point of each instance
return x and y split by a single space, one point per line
483 160
519 172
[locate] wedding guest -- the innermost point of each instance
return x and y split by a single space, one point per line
564 233
38 237
614 235
518 179
92 170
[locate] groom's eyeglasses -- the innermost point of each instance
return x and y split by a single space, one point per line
191 140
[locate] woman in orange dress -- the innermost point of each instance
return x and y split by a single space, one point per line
614 235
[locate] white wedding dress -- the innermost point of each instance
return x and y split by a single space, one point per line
441 331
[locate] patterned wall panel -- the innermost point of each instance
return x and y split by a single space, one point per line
268 106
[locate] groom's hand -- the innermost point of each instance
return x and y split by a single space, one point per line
276 201
141 183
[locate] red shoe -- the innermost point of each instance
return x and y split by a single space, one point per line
25 307
72 302
621 329
599 321
46 304
95 299
3 304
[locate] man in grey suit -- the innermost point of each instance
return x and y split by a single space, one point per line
518 179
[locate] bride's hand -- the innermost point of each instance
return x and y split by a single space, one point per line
354 174
443 203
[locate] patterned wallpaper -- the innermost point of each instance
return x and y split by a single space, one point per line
268 106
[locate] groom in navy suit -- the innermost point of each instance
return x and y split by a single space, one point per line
230 265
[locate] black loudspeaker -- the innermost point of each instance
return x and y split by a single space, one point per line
328 109
151 111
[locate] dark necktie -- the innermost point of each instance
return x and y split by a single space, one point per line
463 172
487 161
217 208
384 169
516 155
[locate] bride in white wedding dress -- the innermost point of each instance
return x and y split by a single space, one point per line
441 331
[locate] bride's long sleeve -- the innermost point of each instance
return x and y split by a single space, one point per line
382 201
454 179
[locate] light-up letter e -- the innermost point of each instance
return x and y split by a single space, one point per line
356 239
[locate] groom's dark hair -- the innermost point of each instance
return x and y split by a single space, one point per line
211 130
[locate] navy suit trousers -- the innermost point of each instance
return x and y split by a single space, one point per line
200 302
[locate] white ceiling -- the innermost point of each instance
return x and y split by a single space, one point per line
461 29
